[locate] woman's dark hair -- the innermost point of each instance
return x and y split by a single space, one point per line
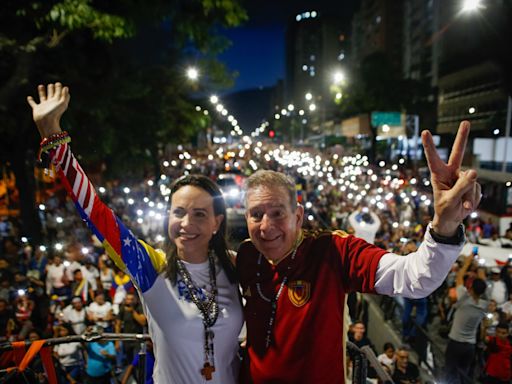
218 241
389 345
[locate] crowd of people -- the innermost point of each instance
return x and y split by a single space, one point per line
68 284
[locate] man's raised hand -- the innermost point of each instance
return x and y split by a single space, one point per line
456 192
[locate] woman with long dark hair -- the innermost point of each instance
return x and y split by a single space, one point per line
190 293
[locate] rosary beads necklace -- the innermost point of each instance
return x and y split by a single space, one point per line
272 301
209 310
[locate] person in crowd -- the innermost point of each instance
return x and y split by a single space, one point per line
470 310
190 294
23 312
12 251
75 315
80 286
498 365
100 312
404 371
121 285
388 358
496 288
69 356
414 327
506 308
106 274
133 368
295 282
56 278
492 318
357 335
91 273
99 361
7 320
506 274
38 263
488 229
36 368
131 319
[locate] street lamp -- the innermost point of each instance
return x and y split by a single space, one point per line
471 5
214 99
339 77
192 73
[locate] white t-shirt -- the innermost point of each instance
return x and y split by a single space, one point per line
385 360
54 276
92 274
107 278
100 311
69 353
176 327
75 318
364 230
497 291
507 307
72 267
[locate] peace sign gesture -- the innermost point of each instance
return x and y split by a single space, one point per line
456 192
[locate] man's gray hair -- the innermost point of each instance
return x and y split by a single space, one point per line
272 179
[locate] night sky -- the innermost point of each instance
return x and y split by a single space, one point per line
257 50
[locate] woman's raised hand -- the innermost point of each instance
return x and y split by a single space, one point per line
53 102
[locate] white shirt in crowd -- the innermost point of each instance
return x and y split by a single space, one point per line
92 274
100 311
54 276
107 278
497 291
386 361
69 353
75 318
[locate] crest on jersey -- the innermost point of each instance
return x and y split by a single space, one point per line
299 292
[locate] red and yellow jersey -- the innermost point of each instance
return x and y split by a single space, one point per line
307 336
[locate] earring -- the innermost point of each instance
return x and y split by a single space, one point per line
214 233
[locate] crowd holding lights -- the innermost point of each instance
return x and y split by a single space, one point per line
346 181
361 184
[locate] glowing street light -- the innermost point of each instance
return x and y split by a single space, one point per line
339 77
192 73
308 96
471 5
214 99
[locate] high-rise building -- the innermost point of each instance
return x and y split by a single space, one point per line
474 61
377 27
418 26
314 51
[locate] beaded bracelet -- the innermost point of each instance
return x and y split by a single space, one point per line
51 142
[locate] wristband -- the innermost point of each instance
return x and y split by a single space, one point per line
456 239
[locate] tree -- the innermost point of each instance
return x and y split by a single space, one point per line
123 61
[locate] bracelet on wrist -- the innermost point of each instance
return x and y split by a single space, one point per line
46 146
457 239
49 143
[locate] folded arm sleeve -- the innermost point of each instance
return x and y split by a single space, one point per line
419 273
